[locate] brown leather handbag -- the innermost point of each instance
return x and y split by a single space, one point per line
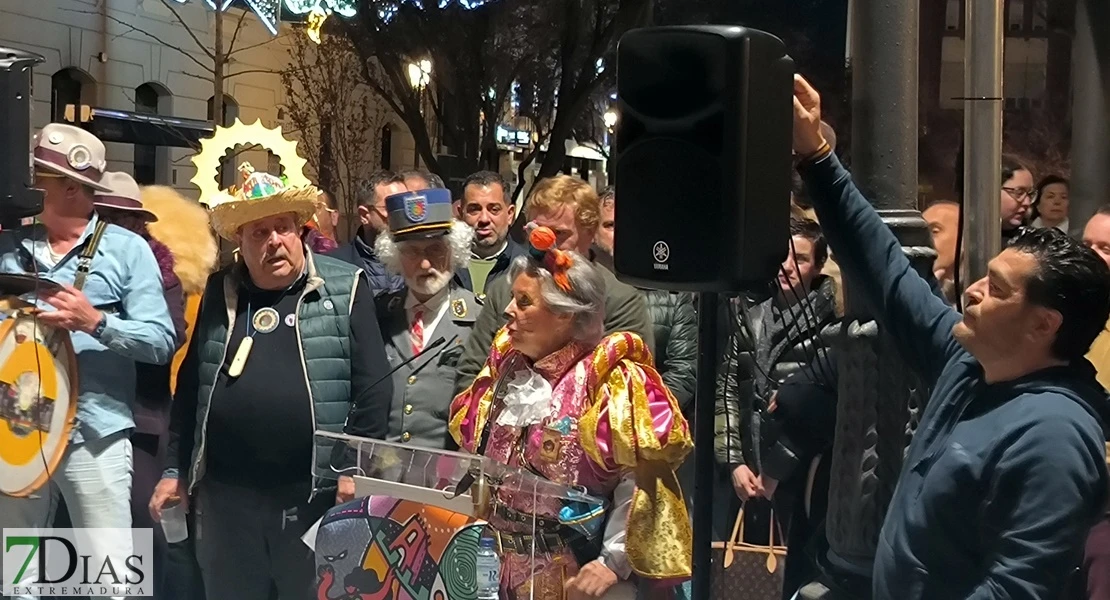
751 571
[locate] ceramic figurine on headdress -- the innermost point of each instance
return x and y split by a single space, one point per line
559 399
257 185
425 245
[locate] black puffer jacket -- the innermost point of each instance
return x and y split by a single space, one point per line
676 342
752 369
361 254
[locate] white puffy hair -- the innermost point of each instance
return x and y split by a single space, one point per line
459 240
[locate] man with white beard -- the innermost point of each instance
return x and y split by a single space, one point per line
430 318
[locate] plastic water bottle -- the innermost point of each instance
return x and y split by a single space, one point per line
489 569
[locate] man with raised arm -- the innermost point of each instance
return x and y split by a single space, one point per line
1006 473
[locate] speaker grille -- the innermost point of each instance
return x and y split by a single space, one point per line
675 74
669 192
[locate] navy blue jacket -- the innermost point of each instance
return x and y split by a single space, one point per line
361 255
1002 481
512 250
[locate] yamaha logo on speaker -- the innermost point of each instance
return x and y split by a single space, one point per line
662 252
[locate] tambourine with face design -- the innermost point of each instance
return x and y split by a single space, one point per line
38 401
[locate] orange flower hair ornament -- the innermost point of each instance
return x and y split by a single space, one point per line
542 248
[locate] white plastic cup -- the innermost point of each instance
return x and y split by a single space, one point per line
173 522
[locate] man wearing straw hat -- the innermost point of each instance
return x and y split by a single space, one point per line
110 300
286 343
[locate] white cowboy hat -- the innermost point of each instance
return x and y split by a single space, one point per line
123 194
72 153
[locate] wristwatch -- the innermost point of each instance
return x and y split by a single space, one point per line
100 325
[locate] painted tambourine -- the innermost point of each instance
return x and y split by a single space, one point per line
38 402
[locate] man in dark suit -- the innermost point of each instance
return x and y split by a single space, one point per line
425 246
370 197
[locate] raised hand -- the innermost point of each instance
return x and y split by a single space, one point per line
807 118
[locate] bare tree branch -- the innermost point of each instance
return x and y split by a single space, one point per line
235 34
158 40
259 44
249 71
207 78
338 121
189 30
186 157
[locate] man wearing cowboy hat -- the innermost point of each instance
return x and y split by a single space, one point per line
286 343
110 299
124 206
425 246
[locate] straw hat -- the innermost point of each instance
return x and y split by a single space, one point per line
262 195
123 194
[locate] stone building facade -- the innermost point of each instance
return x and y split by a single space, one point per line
136 55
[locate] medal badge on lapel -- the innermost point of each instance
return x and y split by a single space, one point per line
38 402
553 435
458 308
265 320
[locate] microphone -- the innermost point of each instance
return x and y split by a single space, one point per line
344 456
439 341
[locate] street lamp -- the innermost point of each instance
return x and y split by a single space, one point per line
420 73
611 117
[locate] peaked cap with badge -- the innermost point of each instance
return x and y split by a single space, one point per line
420 215
70 152
262 195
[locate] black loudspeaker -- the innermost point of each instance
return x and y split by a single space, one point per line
703 158
17 198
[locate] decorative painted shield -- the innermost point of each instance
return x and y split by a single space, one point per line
38 402
383 548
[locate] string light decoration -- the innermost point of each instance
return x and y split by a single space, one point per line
269 11
318 11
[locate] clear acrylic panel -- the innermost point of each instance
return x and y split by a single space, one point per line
380 467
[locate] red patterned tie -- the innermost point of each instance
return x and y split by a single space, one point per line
417 330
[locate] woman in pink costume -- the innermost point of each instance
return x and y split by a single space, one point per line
557 398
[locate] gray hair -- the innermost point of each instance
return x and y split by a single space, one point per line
586 300
459 240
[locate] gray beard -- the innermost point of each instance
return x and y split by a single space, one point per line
431 286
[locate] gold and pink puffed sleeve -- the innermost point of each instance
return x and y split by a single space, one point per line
635 425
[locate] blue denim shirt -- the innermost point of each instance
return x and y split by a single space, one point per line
125 283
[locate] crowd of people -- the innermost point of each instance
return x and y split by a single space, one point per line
203 385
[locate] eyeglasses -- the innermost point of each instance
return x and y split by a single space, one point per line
433 252
1018 194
